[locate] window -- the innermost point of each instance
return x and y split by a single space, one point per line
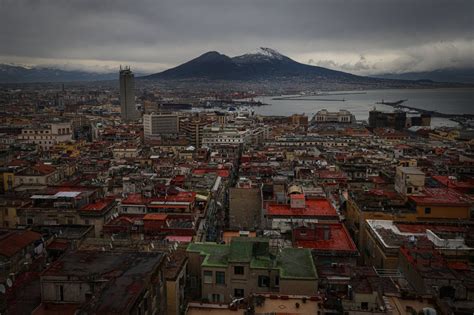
216 298
427 210
238 293
60 293
364 305
29 221
239 270
207 276
263 281
277 281
220 277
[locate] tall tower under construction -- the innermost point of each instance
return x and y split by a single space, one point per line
129 111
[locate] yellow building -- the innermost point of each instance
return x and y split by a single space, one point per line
8 211
374 205
7 180
175 275
432 204
440 203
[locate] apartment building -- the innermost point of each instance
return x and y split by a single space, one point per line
47 135
221 273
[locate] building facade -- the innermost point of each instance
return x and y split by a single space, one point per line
342 116
160 124
128 109
47 135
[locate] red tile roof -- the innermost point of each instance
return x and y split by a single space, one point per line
44 169
339 238
455 184
135 199
440 197
98 205
326 174
314 208
15 241
155 216
219 172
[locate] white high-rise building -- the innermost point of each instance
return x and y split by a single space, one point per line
160 124
127 95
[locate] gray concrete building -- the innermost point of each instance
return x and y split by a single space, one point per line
127 95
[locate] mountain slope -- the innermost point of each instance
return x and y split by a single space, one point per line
19 74
441 75
264 64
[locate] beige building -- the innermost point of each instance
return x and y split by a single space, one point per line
47 135
409 180
342 116
37 175
220 273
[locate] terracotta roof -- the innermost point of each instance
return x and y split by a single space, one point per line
314 207
99 205
15 241
155 216
439 196
44 169
339 239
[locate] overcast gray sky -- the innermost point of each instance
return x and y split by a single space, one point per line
363 36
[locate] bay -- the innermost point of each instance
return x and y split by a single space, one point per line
450 101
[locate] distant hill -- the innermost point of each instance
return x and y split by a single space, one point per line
20 74
442 75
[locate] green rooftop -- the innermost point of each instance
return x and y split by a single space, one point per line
293 263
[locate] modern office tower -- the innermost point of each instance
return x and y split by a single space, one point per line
193 128
127 95
160 124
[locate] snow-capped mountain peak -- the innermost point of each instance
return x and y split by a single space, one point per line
269 52
261 55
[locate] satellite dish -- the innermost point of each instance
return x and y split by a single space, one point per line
2 289
9 282
152 245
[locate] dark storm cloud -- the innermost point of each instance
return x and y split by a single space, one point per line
165 33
